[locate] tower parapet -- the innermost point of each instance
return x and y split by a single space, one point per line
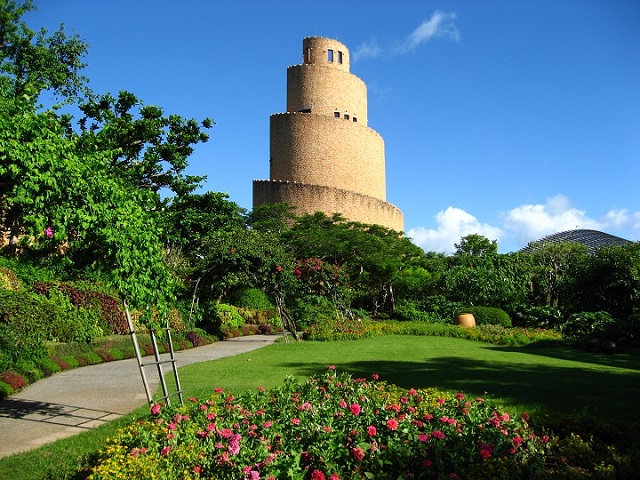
322 143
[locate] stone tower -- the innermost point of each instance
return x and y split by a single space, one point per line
323 156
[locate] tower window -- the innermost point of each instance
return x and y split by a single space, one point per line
339 56
346 115
330 55
336 114
355 119
308 57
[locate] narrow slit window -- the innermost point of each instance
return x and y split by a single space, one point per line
339 57
330 55
308 56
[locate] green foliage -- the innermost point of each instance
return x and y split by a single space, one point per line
412 311
25 320
609 280
229 316
5 390
489 316
189 219
553 268
147 149
535 315
9 280
252 298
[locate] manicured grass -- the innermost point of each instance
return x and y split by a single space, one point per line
534 378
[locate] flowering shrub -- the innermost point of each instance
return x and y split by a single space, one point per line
331 427
345 329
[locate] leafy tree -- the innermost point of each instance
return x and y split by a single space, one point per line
190 219
370 257
609 280
147 148
272 217
553 268
478 275
475 245
31 62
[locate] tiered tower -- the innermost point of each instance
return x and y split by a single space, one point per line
324 157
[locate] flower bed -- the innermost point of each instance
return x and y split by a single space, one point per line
331 427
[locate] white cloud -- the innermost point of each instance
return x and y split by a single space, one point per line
453 224
522 225
367 50
532 222
441 24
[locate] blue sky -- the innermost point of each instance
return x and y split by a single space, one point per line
509 119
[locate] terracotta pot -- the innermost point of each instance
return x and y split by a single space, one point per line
465 320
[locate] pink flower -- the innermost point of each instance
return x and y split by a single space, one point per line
485 451
317 475
357 454
334 476
517 441
267 424
392 424
295 421
331 367
438 434
155 410
459 396
166 450
171 426
342 403
375 376
423 437
355 409
48 232
371 430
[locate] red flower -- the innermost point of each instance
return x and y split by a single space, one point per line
371 430
355 409
317 475
357 454
392 424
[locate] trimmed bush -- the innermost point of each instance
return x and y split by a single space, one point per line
252 298
14 380
489 316
5 390
48 366
24 321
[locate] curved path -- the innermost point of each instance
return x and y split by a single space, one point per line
76 400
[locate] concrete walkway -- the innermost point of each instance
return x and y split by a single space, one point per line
74 401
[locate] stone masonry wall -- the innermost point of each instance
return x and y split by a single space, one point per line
316 198
332 152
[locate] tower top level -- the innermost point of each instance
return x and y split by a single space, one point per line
325 52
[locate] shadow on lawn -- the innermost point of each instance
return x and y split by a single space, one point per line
563 389
562 351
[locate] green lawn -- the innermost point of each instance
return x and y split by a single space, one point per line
551 376
533 378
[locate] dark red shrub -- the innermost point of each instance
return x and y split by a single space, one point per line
61 363
14 380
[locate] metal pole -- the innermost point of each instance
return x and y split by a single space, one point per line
134 339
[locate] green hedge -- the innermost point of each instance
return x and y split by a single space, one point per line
489 316
25 319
